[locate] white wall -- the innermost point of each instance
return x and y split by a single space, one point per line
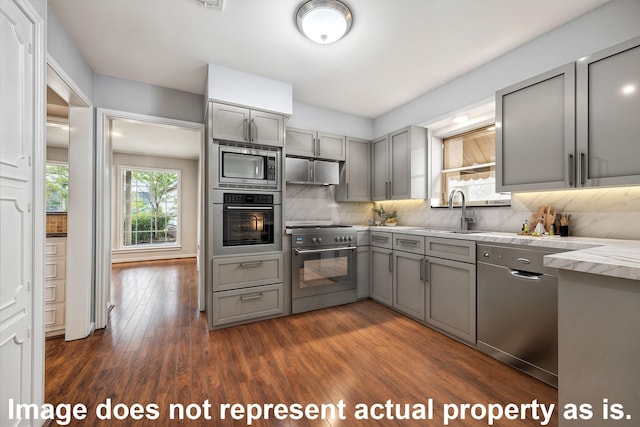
610 24
188 213
307 116
66 54
142 98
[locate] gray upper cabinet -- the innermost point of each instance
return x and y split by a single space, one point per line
535 136
240 124
355 172
380 166
608 116
314 144
399 163
575 126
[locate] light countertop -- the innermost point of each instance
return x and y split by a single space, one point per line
607 257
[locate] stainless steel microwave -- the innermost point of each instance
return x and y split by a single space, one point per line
245 166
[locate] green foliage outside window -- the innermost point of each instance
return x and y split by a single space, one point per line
57 188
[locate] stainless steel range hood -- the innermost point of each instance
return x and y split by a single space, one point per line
316 172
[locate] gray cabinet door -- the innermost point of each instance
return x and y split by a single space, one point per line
608 113
267 128
301 142
355 172
363 271
380 167
451 297
409 284
230 123
381 275
535 137
400 161
331 147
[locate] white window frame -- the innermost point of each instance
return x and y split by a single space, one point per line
482 115
120 219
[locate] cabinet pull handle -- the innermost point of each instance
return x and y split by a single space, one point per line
251 297
315 146
407 242
583 168
572 170
347 191
252 264
245 124
380 238
422 269
427 271
390 262
254 135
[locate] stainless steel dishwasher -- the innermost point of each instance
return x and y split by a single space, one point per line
518 309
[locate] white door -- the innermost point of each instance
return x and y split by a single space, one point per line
21 41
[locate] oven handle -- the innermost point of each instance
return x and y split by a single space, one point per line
249 208
316 251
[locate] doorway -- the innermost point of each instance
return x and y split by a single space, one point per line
149 193
69 291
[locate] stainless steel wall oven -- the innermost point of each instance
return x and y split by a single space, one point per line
246 222
323 268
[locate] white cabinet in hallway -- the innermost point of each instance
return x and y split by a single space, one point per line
55 274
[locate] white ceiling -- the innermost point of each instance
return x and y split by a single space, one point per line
396 50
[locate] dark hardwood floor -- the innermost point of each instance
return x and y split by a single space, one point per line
157 350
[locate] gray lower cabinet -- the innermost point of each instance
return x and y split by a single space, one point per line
451 297
363 253
408 284
247 304
355 172
572 127
245 289
381 262
451 286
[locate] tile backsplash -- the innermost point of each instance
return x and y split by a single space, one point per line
56 223
607 213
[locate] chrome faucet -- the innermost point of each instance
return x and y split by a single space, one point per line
464 220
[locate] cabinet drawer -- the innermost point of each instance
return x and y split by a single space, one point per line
55 247
247 304
408 243
54 291
362 238
55 269
242 272
53 316
381 239
453 249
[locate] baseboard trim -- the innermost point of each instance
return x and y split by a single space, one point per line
151 258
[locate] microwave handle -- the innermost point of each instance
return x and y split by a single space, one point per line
249 208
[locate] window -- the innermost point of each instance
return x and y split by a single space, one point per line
469 163
57 187
150 207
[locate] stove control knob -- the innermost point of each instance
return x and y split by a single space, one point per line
350 238
319 239
314 240
337 239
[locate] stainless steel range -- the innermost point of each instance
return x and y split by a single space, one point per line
323 266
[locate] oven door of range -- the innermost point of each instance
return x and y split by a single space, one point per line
317 271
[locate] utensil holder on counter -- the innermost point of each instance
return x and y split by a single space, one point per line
564 230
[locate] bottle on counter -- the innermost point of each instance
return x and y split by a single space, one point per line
525 227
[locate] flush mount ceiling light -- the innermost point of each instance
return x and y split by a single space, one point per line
214 4
324 21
